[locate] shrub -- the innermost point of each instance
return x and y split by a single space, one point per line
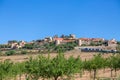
23 52
8 53
1 53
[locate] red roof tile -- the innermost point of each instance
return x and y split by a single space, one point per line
58 39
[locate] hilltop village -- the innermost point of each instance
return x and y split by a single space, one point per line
90 44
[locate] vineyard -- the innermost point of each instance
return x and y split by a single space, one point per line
61 67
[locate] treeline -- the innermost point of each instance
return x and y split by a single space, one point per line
14 52
46 48
57 67
51 46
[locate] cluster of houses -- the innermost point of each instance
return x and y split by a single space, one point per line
99 43
16 45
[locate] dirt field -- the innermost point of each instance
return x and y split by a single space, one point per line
75 53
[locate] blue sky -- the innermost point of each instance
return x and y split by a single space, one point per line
34 19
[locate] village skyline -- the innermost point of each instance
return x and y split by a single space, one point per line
53 43
59 36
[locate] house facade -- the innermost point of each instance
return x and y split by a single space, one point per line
58 40
62 40
17 45
84 41
90 41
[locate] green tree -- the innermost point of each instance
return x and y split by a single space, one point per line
39 67
113 63
87 66
96 63
32 69
58 66
5 69
74 65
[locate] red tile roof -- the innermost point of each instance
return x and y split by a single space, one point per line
91 39
58 39
68 41
97 39
85 39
